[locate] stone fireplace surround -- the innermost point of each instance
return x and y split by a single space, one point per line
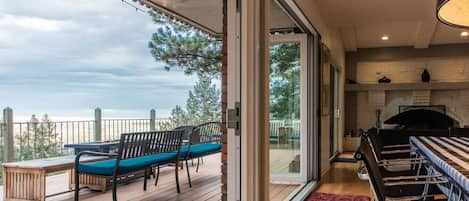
388 102
449 86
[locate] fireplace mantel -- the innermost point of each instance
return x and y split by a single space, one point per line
407 86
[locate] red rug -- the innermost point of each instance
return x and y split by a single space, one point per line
333 197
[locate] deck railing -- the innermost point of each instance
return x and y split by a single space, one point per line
45 138
39 139
52 135
275 124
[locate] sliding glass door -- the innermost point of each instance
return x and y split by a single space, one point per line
288 108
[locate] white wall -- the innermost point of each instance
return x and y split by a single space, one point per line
330 37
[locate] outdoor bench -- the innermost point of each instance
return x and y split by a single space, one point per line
204 141
136 152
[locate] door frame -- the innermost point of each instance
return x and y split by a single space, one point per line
302 178
334 111
248 40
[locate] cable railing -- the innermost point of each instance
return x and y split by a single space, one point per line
112 128
275 126
40 139
50 136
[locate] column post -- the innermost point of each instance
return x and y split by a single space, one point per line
8 135
152 119
97 124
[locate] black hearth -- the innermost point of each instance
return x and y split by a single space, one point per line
422 117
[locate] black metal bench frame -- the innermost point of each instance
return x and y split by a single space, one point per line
202 134
134 145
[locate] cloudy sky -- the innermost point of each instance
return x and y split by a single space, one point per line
65 58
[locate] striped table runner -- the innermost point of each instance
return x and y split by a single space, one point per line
450 155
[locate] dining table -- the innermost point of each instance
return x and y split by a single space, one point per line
448 156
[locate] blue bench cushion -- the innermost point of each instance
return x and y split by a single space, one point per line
273 136
294 137
198 150
106 168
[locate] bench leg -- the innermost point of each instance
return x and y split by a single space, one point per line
145 178
157 174
198 161
77 184
176 170
114 188
188 174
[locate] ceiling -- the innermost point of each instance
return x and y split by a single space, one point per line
208 15
362 23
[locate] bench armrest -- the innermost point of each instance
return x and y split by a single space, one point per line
90 153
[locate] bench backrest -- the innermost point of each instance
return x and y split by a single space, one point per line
209 132
133 145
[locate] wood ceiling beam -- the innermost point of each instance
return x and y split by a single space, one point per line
424 33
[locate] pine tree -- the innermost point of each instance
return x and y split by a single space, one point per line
178 116
285 80
203 104
40 140
179 45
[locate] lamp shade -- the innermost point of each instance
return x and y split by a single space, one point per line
453 12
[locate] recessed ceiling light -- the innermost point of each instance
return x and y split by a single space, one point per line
464 34
384 37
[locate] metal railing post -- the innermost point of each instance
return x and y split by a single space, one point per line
152 119
97 124
8 139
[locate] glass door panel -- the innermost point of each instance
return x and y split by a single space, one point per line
288 108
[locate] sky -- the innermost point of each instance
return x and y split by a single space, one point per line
65 58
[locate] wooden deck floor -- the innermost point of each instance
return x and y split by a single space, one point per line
280 160
205 186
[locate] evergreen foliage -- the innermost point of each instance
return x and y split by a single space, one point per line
40 140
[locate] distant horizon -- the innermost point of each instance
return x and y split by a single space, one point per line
65 58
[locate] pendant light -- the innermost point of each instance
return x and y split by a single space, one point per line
453 12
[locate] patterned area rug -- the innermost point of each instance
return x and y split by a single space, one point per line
333 197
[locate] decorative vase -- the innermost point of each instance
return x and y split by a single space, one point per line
384 79
425 76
